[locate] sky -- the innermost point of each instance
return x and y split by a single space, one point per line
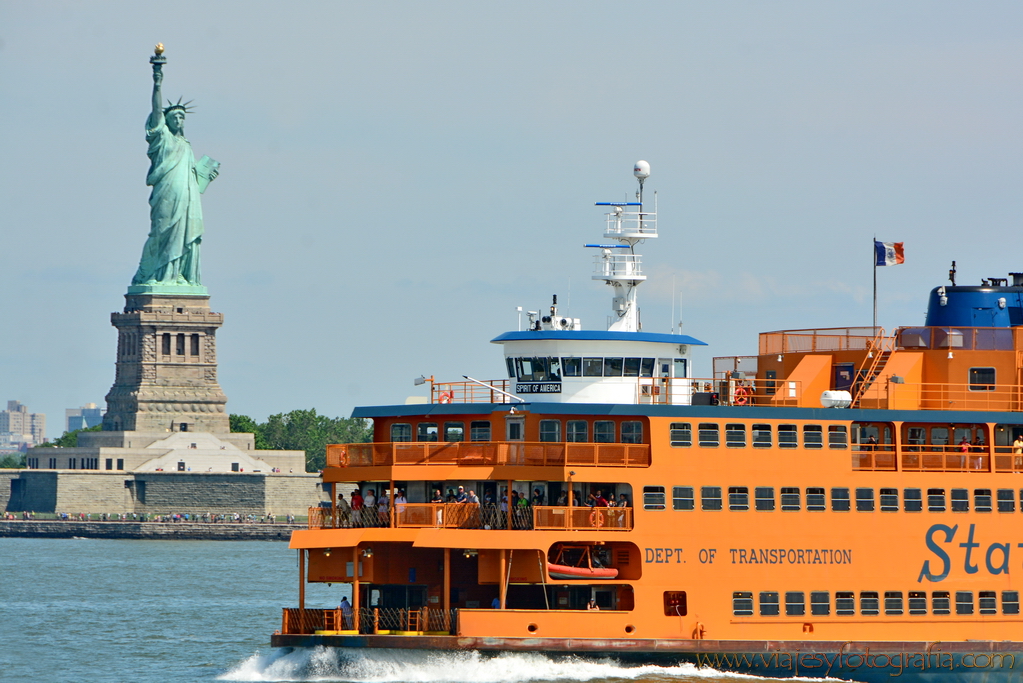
397 177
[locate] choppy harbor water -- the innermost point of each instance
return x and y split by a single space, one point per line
195 611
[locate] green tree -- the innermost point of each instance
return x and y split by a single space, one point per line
305 430
246 425
70 439
12 461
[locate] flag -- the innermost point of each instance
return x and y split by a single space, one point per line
888 253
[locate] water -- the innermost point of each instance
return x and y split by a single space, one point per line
191 611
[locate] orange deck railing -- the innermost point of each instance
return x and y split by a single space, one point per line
489 453
475 516
297 621
936 458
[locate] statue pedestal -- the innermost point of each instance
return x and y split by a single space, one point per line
170 290
166 372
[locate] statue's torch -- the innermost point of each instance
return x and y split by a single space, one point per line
158 60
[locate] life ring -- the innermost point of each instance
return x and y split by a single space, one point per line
741 394
445 397
596 519
342 458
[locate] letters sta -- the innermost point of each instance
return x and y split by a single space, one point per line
941 540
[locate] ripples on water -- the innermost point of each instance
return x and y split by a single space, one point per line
92 611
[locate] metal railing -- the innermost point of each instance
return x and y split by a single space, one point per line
369 620
809 341
631 224
480 517
525 453
935 458
618 267
471 392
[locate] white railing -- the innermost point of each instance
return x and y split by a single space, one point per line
612 266
631 224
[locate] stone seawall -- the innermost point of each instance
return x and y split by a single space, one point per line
147 530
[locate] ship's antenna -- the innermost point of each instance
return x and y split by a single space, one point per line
671 325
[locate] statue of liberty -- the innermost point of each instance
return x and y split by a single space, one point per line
171 254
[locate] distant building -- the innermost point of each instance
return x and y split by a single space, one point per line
82 418
20 429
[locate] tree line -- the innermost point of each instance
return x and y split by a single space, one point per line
299 430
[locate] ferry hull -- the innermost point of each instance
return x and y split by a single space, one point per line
869 662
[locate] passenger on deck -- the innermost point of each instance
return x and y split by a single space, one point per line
344 510
346 614
592 606
450 497
563 498
577 498
537 498
1017 449
623 501
461 497
437 498
600 501
357 505
472 498
400 500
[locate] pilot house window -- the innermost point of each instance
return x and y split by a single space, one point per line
401 432
982 379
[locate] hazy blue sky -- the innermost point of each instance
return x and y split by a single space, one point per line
397 177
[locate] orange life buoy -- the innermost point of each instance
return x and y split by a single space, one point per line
740 396
342 458
596 519
445 397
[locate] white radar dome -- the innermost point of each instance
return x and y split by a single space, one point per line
836 399
642 170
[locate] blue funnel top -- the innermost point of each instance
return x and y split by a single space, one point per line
992 304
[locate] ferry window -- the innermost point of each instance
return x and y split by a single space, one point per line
790 499
982 379
550 430
939 436
680 367
426 431
675 604
1006 500
940 603
813 437
869 604
838 436
964 602
612 367
982 500
555 369
917 602
709 435
893 602
912 500
738 498
632 431
572 367
820 603
603 431
511 366
401 431
889 500
960 500
647 369
761 436
578 431
681 434
742 604
815 499
935 500
763 498
795 604
593 367
525 368
769 604
1010 602
653 497
840 500
864 500
682 498
479 430
735 435
787 437
710 497
845 604
987 602
454 431
632 367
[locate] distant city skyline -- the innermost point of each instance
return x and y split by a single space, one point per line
397 178
20 429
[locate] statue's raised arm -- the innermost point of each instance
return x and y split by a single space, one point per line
170 258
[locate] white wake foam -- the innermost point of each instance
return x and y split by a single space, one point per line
350 665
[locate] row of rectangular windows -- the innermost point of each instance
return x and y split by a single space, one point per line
708 435
576 431
684 498
553 368
871 603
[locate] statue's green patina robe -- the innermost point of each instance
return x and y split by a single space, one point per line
171 254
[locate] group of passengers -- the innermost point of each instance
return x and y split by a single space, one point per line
368 509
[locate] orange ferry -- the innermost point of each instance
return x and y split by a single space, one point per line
843 504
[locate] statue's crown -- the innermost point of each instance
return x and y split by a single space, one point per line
178 105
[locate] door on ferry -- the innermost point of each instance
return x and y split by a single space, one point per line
843 376
662 388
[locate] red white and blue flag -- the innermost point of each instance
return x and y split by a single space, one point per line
888 253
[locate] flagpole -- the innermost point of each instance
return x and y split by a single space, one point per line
874 250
